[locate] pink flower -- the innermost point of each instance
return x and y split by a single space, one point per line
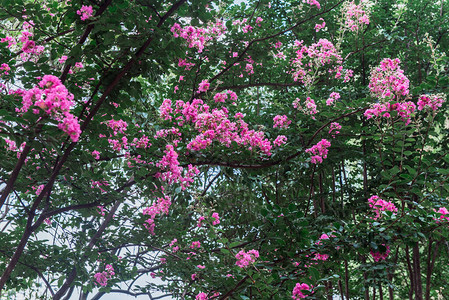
332 98
5 68
197 37
313 2
444 214
298 291
62 59
103 277
49 82
201 296
200 221
117 126
8 39
318 27
203 86
319 151
165 110
158 208
377 256
216 220
432 102
85 12
280 140
376 110
195 244
220 97
244 259
281 121
173 242
96 154
388 80
322 257
71 127
201 267
334 126
379 205
29 46
355 15
310 106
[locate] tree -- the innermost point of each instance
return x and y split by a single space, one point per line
247 150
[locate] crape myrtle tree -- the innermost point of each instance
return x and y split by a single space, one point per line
224 149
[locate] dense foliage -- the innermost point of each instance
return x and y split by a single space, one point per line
224 149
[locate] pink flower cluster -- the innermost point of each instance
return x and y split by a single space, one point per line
28 46
444 214
216 217
388 80
103 277
334 126
201 296
197 37
98 184
244 26
8 39
309 106
53 98
244 259
322 237
281 121
319 151
158 208
334 96
214 126
200 221
186 64
195 244
172 171
378 256
222 97
432 102
203 86
355 15
11 145
280 140
379 205
85 12
63 59
117 126
404 110
377 110
142 142
168 132
298 291
318 27
313 2
5 68
319 256
309 59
